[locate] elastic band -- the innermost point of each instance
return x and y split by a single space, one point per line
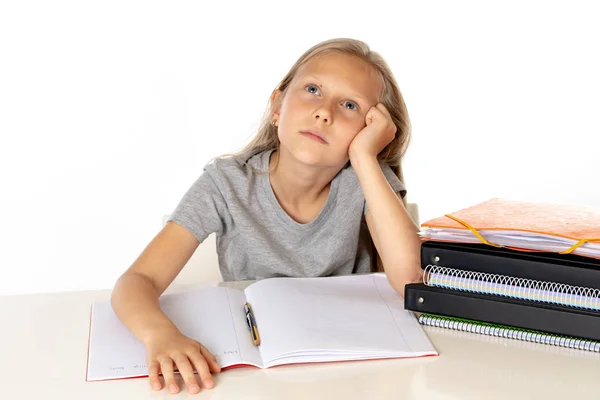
463 223
576 245
569 250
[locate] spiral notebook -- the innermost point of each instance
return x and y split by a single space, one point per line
567 279
509 286
510 332
535 291
549 319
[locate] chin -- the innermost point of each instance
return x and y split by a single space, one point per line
309 156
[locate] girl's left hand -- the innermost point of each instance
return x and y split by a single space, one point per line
378 133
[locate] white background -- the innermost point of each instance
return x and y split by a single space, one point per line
109 110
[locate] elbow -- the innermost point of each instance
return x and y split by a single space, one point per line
116 294
401 275
128 283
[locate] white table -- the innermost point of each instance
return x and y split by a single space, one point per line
44 350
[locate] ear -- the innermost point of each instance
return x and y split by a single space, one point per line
276 98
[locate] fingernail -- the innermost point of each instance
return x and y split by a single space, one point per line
156 385
173 388
194 388
209 384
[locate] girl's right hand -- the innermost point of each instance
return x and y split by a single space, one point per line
167 351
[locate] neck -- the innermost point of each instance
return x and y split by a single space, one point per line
296 185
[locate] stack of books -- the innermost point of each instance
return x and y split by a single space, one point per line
526 271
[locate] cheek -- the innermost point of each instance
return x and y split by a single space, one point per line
290 106
348 140
352 126
287 119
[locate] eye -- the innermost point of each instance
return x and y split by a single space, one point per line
350 105
312 89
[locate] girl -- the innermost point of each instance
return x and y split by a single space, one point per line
318 192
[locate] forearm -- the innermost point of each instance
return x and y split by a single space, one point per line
135 302
394 232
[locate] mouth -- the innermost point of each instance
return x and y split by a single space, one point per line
314 135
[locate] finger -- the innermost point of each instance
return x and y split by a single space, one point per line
203 371
187 373
213 365
383 110
370 115
376 113
166 366
387 116
153 375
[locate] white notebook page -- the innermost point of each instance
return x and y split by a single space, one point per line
324 319
203 315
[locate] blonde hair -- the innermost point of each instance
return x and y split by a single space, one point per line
391 97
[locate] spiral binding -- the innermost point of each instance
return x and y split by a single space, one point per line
527 335
508 286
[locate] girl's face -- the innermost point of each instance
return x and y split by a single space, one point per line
324 108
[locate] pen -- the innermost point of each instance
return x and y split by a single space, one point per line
252 324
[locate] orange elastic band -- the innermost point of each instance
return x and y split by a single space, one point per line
569 250
576 245
472 230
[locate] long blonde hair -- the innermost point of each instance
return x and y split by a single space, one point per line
391 97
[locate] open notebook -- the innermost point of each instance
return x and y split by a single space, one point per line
299 320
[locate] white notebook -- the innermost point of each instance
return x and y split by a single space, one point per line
299 320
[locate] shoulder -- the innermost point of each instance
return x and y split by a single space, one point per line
237 169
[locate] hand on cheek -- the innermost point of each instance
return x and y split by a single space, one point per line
379 131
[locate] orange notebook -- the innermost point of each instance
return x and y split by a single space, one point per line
560 228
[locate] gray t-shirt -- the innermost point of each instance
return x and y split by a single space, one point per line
257 239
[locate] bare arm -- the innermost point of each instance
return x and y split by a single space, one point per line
393 231
135 295
135 301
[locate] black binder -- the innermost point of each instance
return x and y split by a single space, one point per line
543 317
568 269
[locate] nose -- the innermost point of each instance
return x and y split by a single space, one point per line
323 114
321 117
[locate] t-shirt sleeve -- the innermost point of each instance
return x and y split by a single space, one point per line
393 180
203 209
